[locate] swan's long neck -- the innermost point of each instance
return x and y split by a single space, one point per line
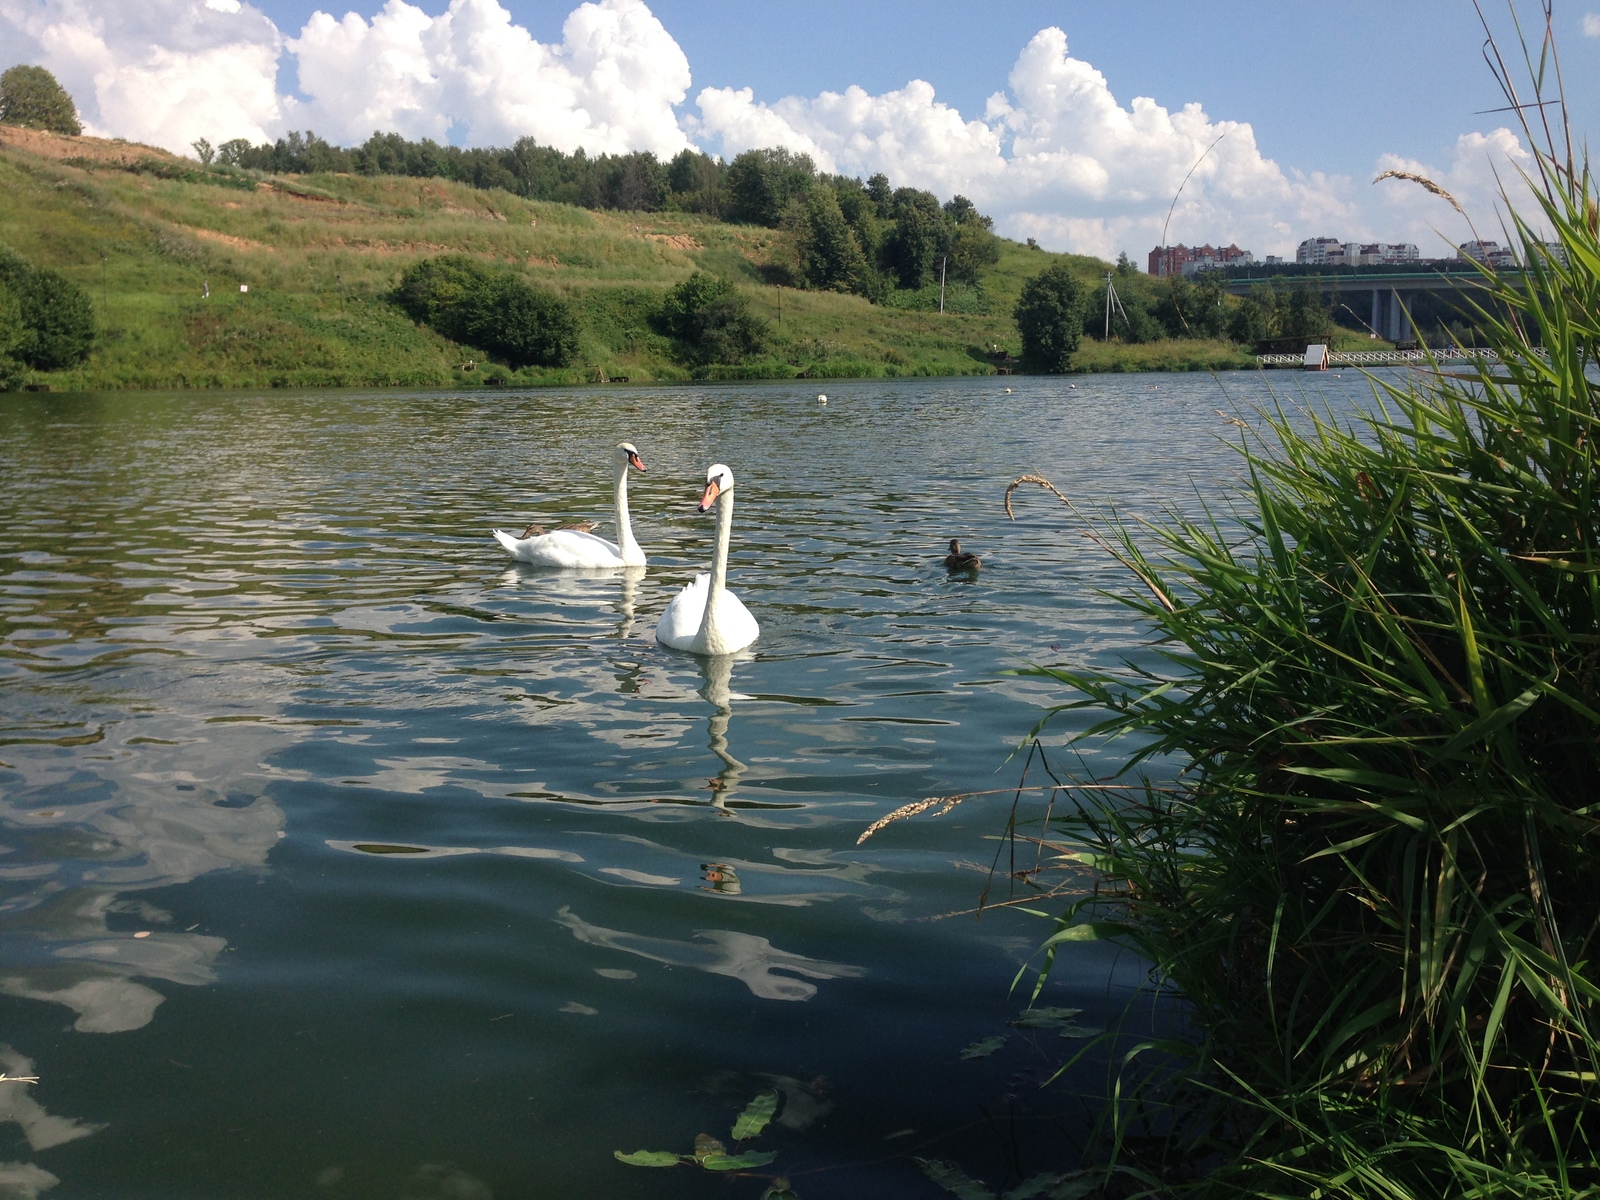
625 543
708 636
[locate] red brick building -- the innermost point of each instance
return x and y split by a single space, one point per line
1186 260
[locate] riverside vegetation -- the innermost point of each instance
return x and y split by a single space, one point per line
1368 877
161 246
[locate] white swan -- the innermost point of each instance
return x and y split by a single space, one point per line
578 549
706 618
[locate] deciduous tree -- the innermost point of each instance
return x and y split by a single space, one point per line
830 257
1049 316
31 96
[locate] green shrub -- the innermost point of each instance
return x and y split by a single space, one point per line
54 325
712 322
13 372
1049 316
490 309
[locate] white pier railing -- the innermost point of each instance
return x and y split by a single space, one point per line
1379 358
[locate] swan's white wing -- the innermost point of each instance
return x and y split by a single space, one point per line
736 628
681 622
562 548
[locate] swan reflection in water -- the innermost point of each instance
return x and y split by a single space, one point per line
596 587
717 671
631 578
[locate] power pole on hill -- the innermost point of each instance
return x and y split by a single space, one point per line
1113 300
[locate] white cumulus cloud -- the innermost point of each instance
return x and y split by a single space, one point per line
1591 24
158 71
169 71
1056 157
609 86
1479 166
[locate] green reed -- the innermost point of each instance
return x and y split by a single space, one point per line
1375 883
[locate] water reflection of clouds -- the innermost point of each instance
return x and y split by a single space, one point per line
42 1130
88 840
752 960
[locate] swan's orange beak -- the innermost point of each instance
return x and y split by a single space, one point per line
636 463
709 496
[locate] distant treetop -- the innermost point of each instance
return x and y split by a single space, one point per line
30 96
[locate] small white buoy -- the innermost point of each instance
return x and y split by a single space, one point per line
1073 386
821 399
1008 391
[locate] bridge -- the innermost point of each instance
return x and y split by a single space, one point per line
1390 313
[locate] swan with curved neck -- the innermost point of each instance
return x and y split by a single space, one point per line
706 618
578 549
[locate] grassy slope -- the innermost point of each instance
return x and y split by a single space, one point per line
319 254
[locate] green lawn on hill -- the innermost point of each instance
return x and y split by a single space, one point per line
320 254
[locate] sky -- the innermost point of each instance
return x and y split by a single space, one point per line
1070 122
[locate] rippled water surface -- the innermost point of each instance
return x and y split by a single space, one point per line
339 856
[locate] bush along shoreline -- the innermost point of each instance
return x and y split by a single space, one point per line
1369 883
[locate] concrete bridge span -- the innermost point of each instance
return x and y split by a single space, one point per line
1384 295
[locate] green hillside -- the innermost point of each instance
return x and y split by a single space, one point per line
146 233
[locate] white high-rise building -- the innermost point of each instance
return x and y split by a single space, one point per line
1491 254
1321 252
1331 252
1376 254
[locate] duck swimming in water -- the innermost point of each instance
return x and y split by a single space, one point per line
959 560
574 526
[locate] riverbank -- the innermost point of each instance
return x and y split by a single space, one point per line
165 249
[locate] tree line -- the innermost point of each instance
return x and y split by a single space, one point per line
1272 316
866 237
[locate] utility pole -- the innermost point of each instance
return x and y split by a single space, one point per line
943 263
1112 299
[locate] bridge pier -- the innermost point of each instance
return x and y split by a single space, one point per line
1389 316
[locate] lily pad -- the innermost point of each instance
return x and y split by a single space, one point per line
1073 1030
1045 1018
954 1180
755 1116
737 1162
648 1158
779 1189
984 1048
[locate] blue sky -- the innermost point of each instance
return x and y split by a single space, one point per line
1311 99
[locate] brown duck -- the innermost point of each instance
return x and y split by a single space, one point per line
959 560
575 526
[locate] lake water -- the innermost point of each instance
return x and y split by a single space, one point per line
342 857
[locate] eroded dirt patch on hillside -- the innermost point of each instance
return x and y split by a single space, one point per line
677 241
227 239
60 145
